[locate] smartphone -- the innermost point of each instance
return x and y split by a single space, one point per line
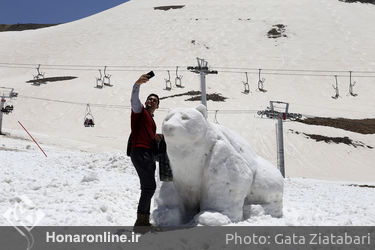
150 74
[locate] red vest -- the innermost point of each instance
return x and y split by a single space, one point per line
143 129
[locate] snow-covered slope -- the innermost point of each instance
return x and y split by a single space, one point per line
320 35
79 188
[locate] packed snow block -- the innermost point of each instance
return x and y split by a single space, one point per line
216 174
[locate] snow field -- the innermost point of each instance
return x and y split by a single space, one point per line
81 188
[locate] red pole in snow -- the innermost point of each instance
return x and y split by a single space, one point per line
32 138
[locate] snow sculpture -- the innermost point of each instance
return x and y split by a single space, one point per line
216 174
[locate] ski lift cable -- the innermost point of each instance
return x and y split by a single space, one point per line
117 106
69 69
82 65
296 70
126 107
232 111
142 68
146 66
288 70
295 74
86 66
2 64
228 111
75 103
50 65
17 67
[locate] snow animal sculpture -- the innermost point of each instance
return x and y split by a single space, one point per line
216 174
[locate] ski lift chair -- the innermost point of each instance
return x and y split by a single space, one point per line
7 109
89 122
99 80
246 85
99 83
261 82
107 78
168 84
89 118
39 75
178 80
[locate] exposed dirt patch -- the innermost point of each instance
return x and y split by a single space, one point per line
345 140
277 31
362 186
194 42
8 135
213 97
362 126
216 97
165 8
52 79
25 26
11 149
177 95
361 1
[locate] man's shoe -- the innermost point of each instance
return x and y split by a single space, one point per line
142 224
142 220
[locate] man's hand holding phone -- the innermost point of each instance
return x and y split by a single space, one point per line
144 78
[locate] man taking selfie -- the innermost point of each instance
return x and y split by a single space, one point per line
143 132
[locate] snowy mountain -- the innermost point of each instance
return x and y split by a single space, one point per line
322 35
299 45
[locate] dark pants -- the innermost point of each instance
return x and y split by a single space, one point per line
144 163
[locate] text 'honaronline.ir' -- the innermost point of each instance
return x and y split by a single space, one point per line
105 237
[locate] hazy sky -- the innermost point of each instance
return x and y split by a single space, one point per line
51 11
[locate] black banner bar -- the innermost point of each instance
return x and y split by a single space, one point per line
228 237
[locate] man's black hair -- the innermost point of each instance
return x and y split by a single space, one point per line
155 96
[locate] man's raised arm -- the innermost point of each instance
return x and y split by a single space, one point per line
134 100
